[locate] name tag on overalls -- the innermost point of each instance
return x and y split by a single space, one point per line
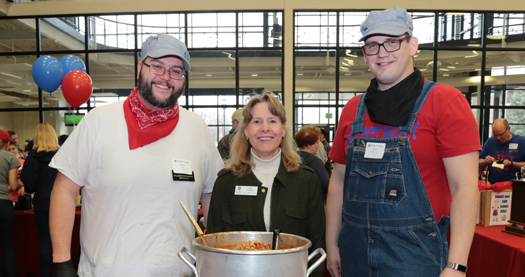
182 170
374 150
513 146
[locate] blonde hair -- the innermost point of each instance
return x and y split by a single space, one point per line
45 138
240 154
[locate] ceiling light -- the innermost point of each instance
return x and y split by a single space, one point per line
299 74
451 66
11 75
254 75
208 75
26 90
229 55
445 75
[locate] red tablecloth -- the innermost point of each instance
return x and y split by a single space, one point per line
26 243
496 254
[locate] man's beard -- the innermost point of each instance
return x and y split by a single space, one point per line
146 91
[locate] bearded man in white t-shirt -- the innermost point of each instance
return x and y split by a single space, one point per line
134 161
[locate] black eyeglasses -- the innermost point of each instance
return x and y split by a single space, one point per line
391 45
174 73
497 136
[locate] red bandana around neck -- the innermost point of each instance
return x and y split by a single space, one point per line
146 125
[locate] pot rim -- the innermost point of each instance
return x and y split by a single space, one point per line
252 252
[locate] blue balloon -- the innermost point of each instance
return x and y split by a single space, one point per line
71 62
48 73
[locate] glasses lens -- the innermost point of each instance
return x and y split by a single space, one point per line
371 49
157 70
392 45
176 74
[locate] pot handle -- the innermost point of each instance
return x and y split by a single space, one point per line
318 262
188 263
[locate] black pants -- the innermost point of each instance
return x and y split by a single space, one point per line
7 240
44 240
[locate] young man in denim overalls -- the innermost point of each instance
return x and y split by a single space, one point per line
406 159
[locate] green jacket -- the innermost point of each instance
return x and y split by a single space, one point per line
225 144
297 205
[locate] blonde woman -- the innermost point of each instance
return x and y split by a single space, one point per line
39 178
264 186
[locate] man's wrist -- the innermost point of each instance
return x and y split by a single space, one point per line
458 267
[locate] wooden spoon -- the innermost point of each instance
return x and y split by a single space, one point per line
194 222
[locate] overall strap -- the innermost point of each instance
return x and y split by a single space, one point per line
427 87
358 122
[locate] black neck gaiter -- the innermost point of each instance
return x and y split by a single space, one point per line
393 106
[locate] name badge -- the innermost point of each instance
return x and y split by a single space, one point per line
246 190
513 146
374 150
182 170
181 166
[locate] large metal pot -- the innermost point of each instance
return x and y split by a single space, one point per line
290 260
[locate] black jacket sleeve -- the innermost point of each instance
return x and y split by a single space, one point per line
30 174
320 170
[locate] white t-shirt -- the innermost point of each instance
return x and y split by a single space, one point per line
132 223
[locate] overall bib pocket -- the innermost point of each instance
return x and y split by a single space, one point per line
376 180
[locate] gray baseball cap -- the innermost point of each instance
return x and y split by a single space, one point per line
393 22
157 46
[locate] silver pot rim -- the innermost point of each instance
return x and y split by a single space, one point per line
200 246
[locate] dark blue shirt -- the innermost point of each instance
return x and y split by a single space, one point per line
512 150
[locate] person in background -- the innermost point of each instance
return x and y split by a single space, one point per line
135 160
28 147
38 178
401 174
285 194
307 140
329 163
321 153
14 138
62 139
13 149
504 148
226 141
8 179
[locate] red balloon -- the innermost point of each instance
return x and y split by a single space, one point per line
77 87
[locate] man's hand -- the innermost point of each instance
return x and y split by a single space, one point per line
333 261
22 191
489 159
64 269
507 163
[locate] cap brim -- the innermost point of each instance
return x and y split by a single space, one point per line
161 54
386 32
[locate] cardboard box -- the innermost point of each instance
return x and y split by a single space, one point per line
494 208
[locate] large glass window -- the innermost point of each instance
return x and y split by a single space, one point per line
233 55
453 49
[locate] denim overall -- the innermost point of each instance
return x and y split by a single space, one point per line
389 228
